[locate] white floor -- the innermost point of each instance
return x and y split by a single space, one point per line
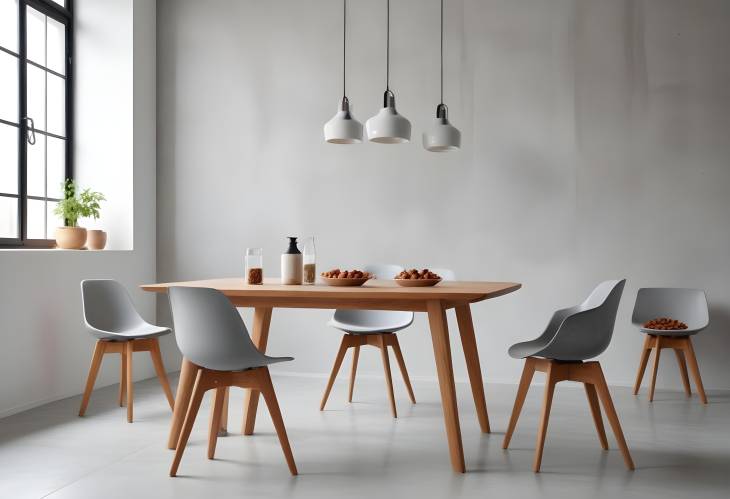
681 448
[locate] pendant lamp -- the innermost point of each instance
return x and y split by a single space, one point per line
442 136
343 128
388 127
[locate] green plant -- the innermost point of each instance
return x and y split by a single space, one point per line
74 206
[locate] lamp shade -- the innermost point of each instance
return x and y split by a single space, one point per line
343 128
442 136
388 127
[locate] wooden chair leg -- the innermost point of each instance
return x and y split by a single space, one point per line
223 427
527 373
192 412
123 377
694 368
129 351
267 390
99 349
353 371
402 366
544 418
645 353
683 371
335 369
216 412
610 410
160 370
657 352
596 413
388 378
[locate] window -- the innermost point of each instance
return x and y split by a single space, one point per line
36 117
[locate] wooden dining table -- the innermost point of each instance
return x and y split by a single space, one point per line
373 295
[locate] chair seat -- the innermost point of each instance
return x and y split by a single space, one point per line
136 332
359 329
236 363
674 332
526 349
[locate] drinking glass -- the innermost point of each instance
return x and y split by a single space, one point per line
309 261
254 266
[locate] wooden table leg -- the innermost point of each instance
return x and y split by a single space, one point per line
261 323
442 354
185 385
469 345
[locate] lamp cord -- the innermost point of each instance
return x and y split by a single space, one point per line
344 47
442 51
387 49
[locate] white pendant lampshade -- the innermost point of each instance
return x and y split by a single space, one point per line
388 127
442 136
343 128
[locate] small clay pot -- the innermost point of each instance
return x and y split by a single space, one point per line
96 239
70 237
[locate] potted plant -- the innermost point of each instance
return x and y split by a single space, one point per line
73 206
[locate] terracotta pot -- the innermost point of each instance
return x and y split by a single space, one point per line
95 239
70 237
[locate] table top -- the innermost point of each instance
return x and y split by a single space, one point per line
372 292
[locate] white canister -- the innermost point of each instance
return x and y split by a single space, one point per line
291 264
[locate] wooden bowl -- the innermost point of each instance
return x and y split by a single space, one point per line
349 281
417 283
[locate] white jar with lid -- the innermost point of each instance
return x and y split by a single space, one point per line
291 264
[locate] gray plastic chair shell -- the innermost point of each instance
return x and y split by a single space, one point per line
373 321
210 332
109 313
684 304
580 332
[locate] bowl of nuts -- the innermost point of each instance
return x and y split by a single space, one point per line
664 324
415 278
337 277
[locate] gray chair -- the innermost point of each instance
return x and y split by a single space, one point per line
572 336
211 334
371 327
686 305
110 316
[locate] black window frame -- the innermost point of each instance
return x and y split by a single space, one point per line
62 14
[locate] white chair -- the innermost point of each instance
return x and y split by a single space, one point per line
686 305
375 328
110 316
572 336
211 334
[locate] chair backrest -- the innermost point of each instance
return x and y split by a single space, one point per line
683 304
586 330
445 274
209 330
376 318
107 306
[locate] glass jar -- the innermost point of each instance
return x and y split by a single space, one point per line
254 266
309 262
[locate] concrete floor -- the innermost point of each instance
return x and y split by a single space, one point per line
681 448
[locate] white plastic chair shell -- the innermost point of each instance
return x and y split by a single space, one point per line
109 313
580 332
683 304
210 332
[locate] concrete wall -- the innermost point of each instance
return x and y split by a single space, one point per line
595 146
46 352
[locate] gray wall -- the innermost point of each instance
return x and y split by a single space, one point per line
595 146
45 351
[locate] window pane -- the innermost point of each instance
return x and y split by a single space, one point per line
56 104
9 24
36 36
56 166
36 161
8 217
53 221
8 87
56 46
37 96
36 219
8 159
